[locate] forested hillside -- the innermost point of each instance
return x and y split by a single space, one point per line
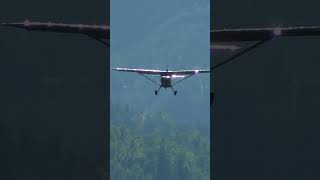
153 146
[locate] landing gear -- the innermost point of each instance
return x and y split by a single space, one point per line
157 91
174 92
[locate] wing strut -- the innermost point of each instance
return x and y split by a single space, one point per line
149 79
107 43
212 95
239 54
183 79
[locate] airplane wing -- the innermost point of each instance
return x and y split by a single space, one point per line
256 34
162 73
98 32
224 47
259 34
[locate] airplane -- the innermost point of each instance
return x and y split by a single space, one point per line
165 76
218 38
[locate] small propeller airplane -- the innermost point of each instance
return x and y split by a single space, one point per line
165 76
218 38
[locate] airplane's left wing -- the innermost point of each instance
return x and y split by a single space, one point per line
98 32
188 72
259 34
256 34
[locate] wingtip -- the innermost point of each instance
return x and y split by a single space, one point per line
4 24
17 24
10 24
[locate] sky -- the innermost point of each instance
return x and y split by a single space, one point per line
159 35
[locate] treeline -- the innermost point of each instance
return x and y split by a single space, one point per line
151 146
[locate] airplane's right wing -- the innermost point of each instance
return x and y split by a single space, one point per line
141 71
98 32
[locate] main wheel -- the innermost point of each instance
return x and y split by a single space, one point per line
156 92
175 92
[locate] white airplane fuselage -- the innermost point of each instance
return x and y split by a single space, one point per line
165 81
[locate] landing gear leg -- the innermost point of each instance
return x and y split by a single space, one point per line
157 91
174 92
